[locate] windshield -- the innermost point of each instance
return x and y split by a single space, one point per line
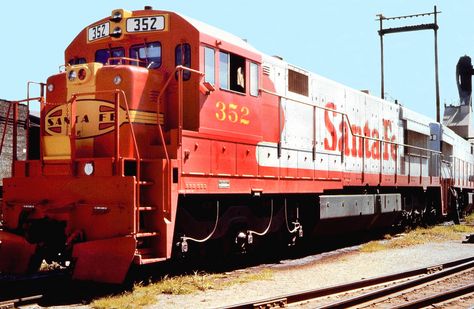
149 55
102 55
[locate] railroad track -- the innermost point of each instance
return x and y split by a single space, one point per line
14 303
375 292
29 289
50 288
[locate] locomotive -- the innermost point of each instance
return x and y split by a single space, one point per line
165 136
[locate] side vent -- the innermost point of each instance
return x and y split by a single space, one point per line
298 82
266 70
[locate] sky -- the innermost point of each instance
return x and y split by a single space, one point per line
337 39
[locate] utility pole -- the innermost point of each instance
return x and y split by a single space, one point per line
432 26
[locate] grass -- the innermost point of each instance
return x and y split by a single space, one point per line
419 236
146 294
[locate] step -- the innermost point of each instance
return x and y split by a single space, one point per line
146 208
144 260
146 256
147 234
146 182
144 252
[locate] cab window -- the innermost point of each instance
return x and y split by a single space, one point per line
232 72
254 79
149 55
209 65
183 57
102 55
76 60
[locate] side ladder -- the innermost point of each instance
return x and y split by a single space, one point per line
151 194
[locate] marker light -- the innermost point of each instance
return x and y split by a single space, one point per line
89 168
116 33
72 75
116 16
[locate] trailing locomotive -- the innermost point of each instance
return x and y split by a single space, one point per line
164 134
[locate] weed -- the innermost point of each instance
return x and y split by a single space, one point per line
419 236
143 295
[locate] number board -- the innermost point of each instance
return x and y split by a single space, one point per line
98 32
145 24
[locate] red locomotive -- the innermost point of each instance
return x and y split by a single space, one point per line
164 134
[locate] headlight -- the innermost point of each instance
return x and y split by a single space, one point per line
116 33
88 169
116 16
72 75
117 80
50 87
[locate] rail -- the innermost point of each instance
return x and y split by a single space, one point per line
22 301
347 126
431 300
387 291
427 274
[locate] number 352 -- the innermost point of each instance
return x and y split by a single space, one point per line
232 112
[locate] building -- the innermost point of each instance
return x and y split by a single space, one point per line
6 135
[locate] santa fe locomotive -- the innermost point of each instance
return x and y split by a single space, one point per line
163 135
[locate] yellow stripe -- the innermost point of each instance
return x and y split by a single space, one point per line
145 117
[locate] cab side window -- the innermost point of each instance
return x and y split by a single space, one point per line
253 79
183 57
232 72
209 65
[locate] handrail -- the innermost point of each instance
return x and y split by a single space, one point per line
343 114
15 105
5 127
179 68
120 59
117 92
40 99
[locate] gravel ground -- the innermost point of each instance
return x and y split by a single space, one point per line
321 271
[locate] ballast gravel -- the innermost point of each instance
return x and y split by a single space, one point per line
342 266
